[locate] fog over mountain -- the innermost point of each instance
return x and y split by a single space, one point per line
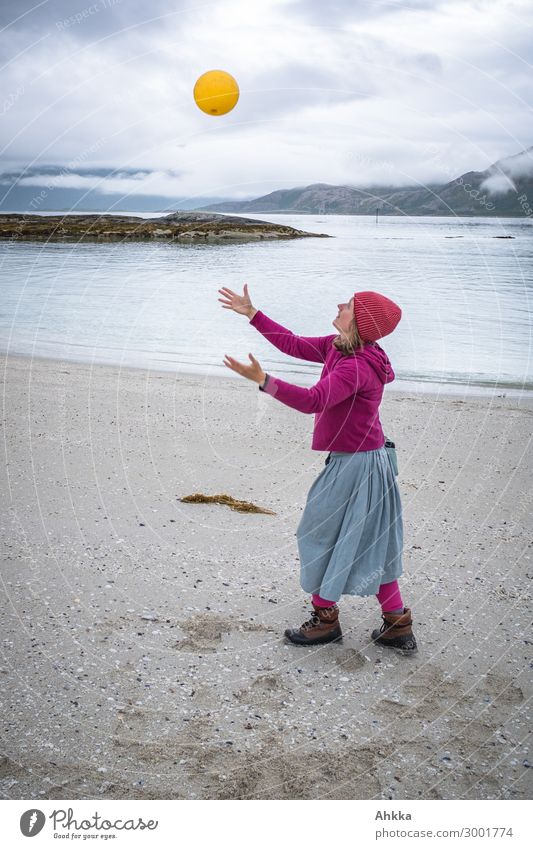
503 189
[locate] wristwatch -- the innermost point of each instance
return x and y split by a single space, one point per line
264 383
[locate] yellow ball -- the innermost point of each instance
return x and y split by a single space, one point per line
216 92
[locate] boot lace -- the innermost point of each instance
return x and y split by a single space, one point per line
311 623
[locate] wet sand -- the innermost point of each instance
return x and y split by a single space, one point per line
142 648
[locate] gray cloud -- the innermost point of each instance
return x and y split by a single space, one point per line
296 85
43 173
429 62
338 12
84 19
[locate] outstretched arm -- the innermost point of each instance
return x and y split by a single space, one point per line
312 348
346 378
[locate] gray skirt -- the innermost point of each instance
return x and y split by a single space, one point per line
350 536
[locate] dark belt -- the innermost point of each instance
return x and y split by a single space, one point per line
388 444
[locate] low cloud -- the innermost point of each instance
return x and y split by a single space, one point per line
498 184
520 165
504 173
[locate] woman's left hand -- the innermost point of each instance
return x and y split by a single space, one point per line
252 372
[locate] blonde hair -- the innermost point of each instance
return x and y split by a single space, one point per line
351 342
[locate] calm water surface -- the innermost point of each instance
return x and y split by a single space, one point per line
466 297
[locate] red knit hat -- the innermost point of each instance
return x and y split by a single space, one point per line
375 315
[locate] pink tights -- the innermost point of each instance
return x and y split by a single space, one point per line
388 595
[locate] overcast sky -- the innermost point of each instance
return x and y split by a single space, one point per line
332 91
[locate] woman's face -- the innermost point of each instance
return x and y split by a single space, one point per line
345 316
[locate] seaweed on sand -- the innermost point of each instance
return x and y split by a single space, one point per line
233 503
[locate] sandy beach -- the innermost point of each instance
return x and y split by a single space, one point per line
142 637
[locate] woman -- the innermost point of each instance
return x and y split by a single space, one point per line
350 536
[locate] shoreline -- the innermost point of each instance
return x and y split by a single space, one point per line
290 212
143 651
399 385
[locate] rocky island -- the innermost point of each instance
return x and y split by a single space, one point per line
182 227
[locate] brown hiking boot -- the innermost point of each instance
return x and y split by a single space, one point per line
322 627
396 632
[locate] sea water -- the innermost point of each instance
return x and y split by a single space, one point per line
465 287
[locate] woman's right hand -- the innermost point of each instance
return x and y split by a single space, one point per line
238 303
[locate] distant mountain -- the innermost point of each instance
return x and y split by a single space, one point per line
505 189
58 199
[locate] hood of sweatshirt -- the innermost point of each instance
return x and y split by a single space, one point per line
379 361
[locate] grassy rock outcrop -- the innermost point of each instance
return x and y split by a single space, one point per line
180 227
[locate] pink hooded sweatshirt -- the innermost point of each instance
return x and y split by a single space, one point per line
345 400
